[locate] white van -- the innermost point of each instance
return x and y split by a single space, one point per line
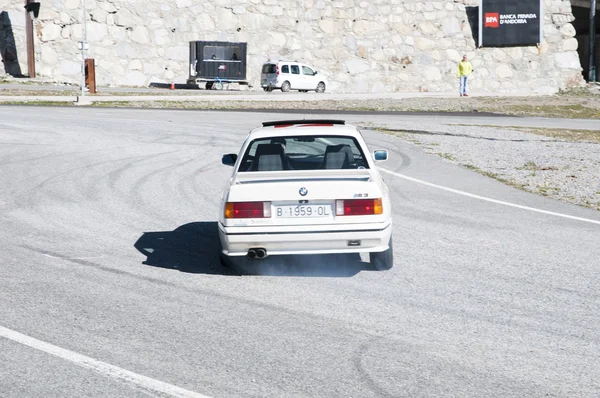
291 75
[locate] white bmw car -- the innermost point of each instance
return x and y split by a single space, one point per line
306 187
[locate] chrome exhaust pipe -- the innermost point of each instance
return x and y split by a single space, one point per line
252 253
261 253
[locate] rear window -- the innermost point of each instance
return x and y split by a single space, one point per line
318 152
269 68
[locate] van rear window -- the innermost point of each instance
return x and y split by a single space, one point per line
269 68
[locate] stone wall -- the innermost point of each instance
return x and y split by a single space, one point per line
361 46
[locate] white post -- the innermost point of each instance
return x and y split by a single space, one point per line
83 43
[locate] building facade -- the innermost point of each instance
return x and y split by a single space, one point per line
361 46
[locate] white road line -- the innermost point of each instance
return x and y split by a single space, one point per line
103 368
500 202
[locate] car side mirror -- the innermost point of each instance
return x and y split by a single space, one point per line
380 155
229 159
315 73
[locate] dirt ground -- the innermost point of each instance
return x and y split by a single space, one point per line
576 103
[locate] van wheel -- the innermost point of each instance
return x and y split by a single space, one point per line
285 87
320 87
383 261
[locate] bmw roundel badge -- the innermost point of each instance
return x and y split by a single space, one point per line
303 191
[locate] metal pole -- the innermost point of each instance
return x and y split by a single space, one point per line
30 43
83 43
592 49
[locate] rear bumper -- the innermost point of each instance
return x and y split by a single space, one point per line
273 83
372 237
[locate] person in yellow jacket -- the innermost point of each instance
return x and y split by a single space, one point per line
464 70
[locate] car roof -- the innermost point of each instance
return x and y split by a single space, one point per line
304 127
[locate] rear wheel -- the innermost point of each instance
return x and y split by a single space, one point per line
209 86
320 87
383 261
286 86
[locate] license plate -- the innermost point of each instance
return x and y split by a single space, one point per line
303 211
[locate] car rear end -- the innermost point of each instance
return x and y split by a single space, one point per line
269 75
305 187
341 211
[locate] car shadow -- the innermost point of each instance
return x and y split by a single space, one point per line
194 248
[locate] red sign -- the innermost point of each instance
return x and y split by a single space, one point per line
222 67
492 19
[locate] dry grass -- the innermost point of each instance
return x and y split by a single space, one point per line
577 103
575 135
570 111
563 134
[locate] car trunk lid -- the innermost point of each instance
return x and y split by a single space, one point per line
304 197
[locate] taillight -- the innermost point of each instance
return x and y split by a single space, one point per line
358 207
248 210
277 69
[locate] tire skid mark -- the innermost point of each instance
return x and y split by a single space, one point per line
40 185
209 195
137 187
366 376
26 144
199 291
132 197
115 175
33 191
434 308
54 155
185 182
192 140
125 201
18 131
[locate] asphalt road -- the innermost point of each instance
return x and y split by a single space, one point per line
109 251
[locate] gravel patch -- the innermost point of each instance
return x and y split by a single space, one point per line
565 170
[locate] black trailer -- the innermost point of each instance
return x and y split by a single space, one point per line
215 63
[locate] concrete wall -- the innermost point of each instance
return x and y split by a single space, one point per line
362 46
